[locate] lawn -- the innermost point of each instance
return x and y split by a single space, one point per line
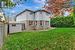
56 39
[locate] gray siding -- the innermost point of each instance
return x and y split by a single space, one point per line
25 16
39 20
17 28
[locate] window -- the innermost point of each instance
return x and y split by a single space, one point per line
30 22
35 22
40 12
40 22
31 13
47 23
13 24
47 14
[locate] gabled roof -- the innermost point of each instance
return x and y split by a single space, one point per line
32 11
24 11
42 10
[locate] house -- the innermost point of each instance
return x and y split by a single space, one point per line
34 19
30 20
3 28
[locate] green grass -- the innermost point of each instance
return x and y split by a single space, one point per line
56 39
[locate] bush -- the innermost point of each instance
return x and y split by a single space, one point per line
62 22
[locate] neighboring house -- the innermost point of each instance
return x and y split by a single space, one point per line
31 20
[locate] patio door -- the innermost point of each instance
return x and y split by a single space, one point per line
23 26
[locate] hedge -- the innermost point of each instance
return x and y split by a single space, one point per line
62 21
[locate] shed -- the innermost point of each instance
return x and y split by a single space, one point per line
15 27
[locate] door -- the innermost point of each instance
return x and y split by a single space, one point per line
8 28
23 26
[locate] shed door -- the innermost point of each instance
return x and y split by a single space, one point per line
1 34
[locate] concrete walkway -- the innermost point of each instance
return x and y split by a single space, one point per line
39 30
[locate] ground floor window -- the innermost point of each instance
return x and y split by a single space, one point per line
30 22
41 23
35 22
47 23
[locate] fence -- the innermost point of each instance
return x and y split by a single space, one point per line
3 33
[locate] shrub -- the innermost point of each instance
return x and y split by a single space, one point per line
62 21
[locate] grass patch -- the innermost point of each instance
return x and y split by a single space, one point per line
56 39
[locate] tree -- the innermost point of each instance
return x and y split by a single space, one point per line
56 6
17 2
7 3
73 12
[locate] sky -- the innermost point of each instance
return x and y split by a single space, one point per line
29 4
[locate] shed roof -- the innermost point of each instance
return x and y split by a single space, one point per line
15 22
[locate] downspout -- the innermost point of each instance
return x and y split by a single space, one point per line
34 20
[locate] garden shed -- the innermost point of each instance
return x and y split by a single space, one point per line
15 27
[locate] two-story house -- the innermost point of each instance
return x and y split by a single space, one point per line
31 20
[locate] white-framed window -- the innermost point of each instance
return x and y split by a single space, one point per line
47 14
13 24
40 12
31 13
30 22
41 22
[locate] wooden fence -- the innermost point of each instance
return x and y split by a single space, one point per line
3 33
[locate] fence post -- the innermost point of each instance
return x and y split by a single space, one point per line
1 34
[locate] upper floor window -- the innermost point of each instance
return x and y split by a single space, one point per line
40 12
31 13
47 14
